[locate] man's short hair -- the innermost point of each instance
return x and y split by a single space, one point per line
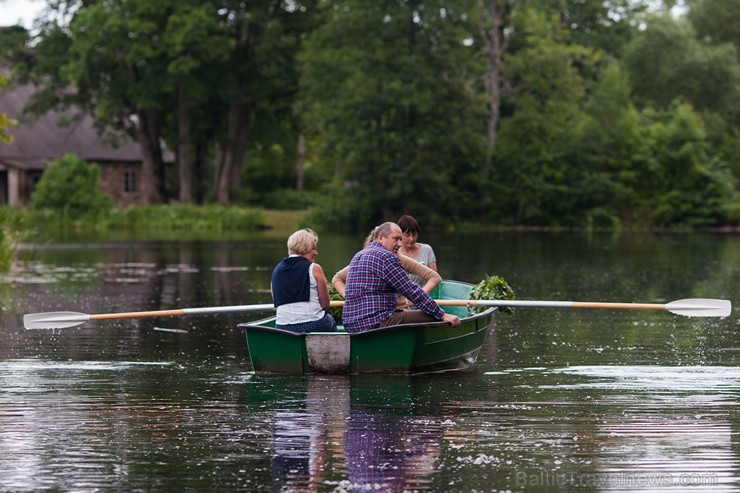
384 229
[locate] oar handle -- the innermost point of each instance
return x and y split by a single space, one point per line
620 306
185 311
552 304
539 304
156 313
512 303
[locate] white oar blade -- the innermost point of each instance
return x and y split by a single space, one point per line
699 307
54 320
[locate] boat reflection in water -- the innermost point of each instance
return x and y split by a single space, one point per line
362 429
307 431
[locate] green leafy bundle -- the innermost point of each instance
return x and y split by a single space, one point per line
337 311
493 288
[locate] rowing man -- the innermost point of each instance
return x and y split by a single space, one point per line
375 278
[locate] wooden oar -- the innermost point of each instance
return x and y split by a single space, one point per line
692 307
695 307
62 320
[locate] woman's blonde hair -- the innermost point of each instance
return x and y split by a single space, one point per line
302 241
371 237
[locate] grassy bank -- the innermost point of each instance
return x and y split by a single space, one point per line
153 222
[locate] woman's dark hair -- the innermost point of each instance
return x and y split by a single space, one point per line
408 224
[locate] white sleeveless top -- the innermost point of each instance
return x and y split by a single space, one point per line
302 311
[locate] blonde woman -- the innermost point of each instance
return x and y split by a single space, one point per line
299 289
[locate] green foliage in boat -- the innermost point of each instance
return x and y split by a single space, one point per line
493 288
334 295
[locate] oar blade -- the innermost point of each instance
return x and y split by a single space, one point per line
700 307
54 320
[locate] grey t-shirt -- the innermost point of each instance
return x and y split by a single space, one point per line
425 257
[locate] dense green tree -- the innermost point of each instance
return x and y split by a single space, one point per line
70 188
716 21
14 45
194 73
680 182
384 94
544 121
270 72
674 61
505 39
5 121
607 150
541 112
650 167
13 50
606 25
259 86
666 61
493 25
196 47
102 63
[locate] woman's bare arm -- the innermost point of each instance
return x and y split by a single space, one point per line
340 280
321 286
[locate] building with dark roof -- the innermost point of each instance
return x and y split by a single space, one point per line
37 142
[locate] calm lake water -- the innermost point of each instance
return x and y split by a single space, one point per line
560 400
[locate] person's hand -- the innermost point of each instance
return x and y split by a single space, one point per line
451 319
403 302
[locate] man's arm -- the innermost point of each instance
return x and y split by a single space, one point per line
396 277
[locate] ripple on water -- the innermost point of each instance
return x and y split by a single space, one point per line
34 376
669 426
650 378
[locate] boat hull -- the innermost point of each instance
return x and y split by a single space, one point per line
406 348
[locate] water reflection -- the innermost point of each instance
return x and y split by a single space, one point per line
624 428
558 400
364 428
718 380
308 438
56 429
598 428
392 446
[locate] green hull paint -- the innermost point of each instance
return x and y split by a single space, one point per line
397 349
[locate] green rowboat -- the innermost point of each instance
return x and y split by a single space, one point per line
407 348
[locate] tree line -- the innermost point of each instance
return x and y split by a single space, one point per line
586 113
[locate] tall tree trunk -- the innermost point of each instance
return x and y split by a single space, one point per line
152 169
300 162
199 173
229 166
494 46
152 179
184 175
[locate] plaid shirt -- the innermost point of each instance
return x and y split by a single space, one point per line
375 276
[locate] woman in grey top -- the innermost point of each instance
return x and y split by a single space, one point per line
421 252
